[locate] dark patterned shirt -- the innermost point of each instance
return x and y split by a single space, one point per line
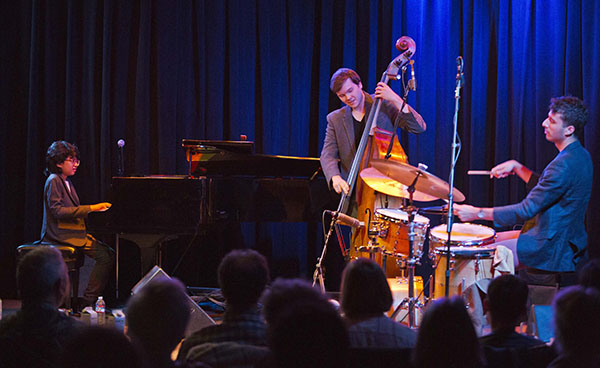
35 336
244 328
509 339
381 332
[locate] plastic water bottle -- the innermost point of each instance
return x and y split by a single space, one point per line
100 309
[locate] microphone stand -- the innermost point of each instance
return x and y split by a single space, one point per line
455 152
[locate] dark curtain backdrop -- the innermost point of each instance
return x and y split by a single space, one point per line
154 72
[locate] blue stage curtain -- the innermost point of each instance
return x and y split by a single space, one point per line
155 71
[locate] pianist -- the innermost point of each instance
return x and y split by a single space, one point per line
64 222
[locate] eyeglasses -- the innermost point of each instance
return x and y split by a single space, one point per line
73 161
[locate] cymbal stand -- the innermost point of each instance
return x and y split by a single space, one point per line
411 210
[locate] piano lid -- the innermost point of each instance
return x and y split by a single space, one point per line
238 158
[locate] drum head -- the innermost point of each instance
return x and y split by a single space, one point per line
399 215
463 234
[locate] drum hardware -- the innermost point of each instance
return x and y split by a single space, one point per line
430 281
434 210
420 301
411 301
373 246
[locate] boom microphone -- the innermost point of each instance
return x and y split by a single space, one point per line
412 83
346 220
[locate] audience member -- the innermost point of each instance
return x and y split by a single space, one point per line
306 332
243 275
577 327
156 320
446 337
366 297
35 335
507 306
589 275
99 347
286 292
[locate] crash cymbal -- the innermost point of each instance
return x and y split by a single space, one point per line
386 185
406 174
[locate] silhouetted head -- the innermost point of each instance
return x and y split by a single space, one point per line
365 290
308 333
446 337
157 316
577 320
99 347
589 275
507 301
243 275
286 292
42 276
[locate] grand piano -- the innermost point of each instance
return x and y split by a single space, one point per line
226 182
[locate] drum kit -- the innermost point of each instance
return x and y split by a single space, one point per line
399 234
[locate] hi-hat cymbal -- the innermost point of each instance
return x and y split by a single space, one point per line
428 183
386 185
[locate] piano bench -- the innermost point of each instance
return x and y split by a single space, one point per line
73 259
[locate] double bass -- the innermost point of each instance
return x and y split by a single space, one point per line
374 143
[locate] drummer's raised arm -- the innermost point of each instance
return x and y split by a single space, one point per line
511 167
468 213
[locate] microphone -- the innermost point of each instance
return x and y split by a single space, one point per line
120 167
346 220
412 83
459 69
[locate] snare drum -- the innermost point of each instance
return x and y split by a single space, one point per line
393 232
467 266
468 235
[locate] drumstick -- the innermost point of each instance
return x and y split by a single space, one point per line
479 172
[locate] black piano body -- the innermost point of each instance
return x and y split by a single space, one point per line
226 185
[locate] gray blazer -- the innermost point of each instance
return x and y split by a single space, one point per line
64 217
556 205
339 148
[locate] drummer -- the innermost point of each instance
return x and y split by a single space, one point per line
553 237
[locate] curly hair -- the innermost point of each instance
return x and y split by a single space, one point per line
57 153
573 112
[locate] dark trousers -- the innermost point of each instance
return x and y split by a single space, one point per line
104 257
